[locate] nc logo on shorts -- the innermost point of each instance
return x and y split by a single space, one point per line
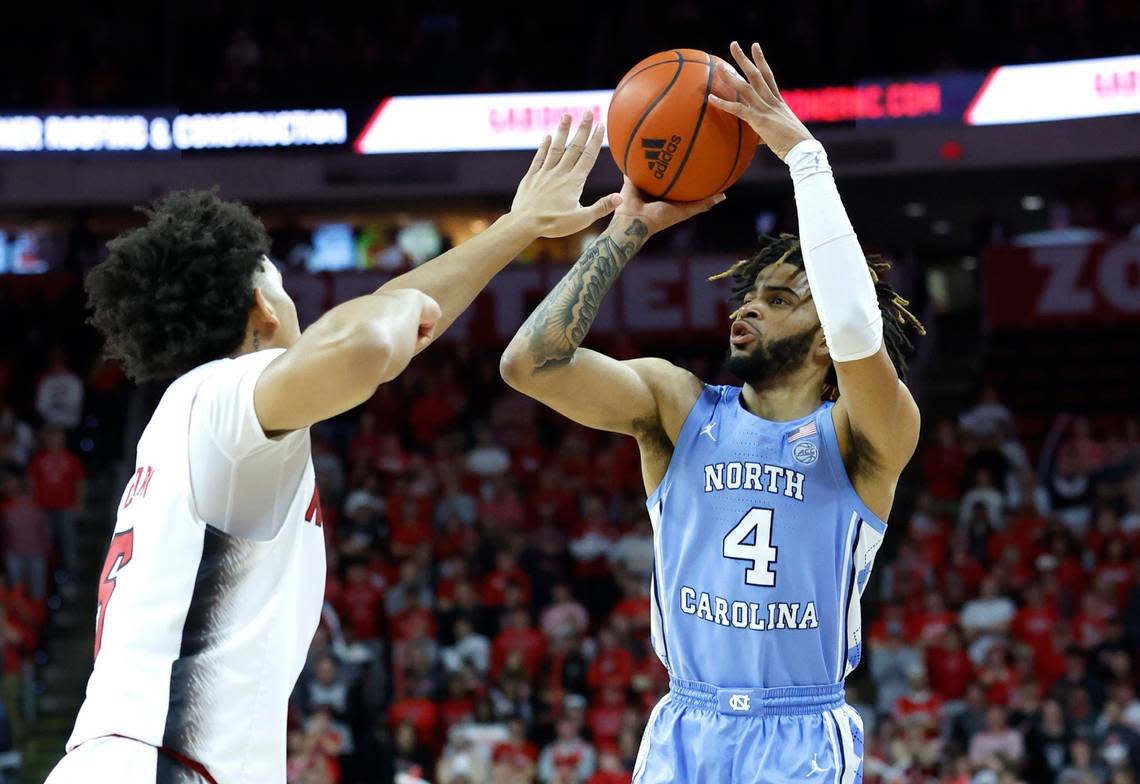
740 702
806 452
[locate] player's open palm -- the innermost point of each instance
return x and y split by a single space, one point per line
550 193
756 100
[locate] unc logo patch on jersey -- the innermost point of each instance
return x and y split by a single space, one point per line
806 452
740 702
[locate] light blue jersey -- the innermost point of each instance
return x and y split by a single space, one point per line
762 552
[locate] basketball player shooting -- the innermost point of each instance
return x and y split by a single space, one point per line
215 575
769 500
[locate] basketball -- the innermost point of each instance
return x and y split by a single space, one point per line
666 137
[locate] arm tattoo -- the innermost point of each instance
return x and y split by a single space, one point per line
560 323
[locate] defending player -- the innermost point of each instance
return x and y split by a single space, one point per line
767 505
214 579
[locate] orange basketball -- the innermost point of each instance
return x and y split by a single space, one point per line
667 138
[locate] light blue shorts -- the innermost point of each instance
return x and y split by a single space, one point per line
701 733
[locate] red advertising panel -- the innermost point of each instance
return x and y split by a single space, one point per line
1052 286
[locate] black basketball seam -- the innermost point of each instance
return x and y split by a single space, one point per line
696 130
650 108
627 79
735 158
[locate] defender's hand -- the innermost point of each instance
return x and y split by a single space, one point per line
548 196
423 308
659 215
757 101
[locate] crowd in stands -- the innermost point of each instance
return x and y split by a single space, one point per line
214 53
487 612
1006 647
42 498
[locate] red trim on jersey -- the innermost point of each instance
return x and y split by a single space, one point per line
181 759
186 762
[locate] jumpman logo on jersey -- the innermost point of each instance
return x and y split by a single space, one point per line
815 768
707 430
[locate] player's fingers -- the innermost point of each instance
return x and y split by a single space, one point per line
589 155
603 206
733 85
704 205
749 69
558 143
735 108
540 155
577 145
765 69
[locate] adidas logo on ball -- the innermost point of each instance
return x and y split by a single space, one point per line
659 153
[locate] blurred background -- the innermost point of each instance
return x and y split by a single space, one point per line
487 613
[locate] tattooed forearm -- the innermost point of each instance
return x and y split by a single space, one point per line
560 323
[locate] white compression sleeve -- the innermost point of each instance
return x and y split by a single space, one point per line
837 271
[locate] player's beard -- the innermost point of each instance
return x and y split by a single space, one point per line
769 361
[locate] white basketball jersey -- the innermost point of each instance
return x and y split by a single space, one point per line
213 583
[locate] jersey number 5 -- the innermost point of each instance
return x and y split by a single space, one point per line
754 527
119 555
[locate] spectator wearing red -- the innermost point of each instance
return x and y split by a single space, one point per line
964 567
27 538
60 485
363 447
414 621
420 712
928 531
1034 622
515 758
501 510
612 666
506 572
360 603
919 705
997 676
552 499
928 627
605 716
1091 621
409 527
943 464
520 637
1114 571
949 666
434 409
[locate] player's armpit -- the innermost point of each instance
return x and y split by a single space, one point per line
603 393
880 413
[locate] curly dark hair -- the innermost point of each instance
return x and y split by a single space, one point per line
898 322
176 293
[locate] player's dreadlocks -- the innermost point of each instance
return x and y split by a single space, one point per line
785 249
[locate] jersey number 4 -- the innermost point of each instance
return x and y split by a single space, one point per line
751 540
119 555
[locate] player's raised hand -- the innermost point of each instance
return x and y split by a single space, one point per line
660 215
550 193
756 100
